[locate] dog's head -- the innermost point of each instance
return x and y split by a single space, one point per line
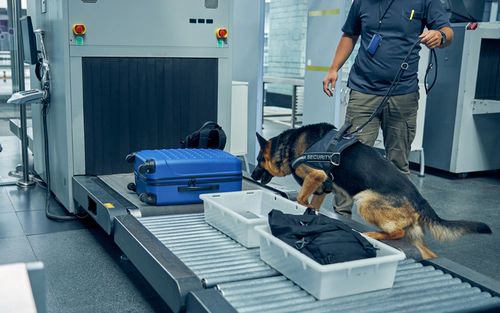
261 171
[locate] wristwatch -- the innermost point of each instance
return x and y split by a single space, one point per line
443 36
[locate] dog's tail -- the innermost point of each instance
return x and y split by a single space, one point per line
444 230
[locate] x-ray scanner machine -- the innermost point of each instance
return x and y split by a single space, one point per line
127 76
461 123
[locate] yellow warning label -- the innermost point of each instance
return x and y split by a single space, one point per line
324 12
317 68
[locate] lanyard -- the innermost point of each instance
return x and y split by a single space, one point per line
382 15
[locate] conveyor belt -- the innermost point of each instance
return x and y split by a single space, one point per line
250 285
210 254
196 268
417 288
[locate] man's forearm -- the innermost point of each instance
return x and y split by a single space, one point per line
344 50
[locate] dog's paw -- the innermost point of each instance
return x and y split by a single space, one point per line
316 211
398 234
304 203
376 235
311 211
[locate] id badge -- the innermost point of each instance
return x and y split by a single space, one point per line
374 43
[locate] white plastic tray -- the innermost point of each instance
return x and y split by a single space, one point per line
237 213
333 280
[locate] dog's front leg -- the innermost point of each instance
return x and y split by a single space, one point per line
313 179
317 201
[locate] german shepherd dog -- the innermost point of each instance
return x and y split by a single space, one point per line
384 196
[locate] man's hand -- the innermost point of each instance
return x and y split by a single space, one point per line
344 49
330 80
432 38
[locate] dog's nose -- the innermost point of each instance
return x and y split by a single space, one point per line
266 178
256 175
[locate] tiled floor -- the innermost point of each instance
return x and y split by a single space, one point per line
84 270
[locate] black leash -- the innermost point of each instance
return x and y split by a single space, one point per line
388 94
429 67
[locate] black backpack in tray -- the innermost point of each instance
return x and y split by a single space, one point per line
210 136
323 239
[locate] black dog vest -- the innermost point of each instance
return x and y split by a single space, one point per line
325 153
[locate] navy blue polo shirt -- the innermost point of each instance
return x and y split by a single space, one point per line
373 74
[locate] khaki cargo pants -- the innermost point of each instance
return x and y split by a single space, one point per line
398 121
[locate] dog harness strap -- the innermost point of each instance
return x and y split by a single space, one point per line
317 157
327 185
327 151
339 135
325 154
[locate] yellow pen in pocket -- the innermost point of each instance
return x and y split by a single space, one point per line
411 15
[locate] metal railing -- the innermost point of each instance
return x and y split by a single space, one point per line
273 113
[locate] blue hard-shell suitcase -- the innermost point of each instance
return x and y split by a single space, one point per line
179 176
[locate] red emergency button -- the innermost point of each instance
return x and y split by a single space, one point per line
472 26
221 33
79 29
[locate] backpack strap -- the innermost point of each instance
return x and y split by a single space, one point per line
204 135
222 138
212 130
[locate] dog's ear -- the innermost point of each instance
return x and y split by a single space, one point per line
262 141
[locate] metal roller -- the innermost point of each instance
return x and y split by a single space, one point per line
204 259
222 254
224 264
211 281
210 254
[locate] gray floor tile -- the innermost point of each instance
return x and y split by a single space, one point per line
5 204
50 299
476 252
35 223
84 271
15 250
10 155
27 199
10 226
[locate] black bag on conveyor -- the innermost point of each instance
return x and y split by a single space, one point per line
321 238
209 136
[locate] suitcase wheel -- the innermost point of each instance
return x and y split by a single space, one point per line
132 187
148 167
130 158
148 198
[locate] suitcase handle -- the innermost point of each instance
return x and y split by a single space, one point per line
131 157
197 188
